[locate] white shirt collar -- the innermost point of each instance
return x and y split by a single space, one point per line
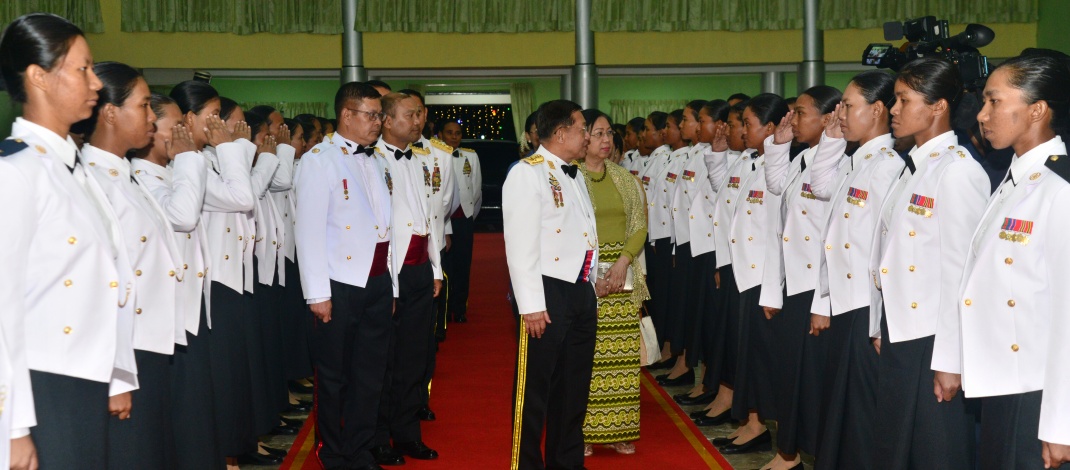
65 147
97 156
922 155
1021 165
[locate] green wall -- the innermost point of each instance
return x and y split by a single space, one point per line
1050 33
8 112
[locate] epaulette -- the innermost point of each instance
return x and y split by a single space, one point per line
420 150
11 147
1060 165
442 145
466 149
533 160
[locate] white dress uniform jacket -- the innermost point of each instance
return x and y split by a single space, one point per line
920 246
858 183
66 287
800 223
179 190
285 203
628 159
343 211
693 203
468 183
260 222
151 248
270 226
549 227
439 181
726 171
228 199
410 207
661 191
656 162
7 402
753 231
1008 334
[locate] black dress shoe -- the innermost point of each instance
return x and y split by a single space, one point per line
298 388
386 455
254 458
718 420
417 450
702 399
292 422
300 407
281 453
698 414
284 430
425 414
763 442
666 364
688 378
461 318
721 441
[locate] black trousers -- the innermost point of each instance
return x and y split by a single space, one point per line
800 370
414 323
298 324
554 379
849 403
914 431
231 381
72 422
1010 425
193 402
265 415
677 317
659 264
755 362
146 439
350 355
439 329
442 310
722 333
458 263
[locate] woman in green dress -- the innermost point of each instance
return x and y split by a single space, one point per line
620 212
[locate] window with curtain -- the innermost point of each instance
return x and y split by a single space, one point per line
744 15
289 109
84 13
228 16
466 16
622 111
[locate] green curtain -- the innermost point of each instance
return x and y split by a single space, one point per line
290 109
744 15
622 111
229 16
522 100
84 13
466 16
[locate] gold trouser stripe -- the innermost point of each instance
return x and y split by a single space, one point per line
521 377
446 293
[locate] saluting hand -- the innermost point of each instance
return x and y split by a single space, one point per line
1054 454
120 405
23 454
322 310
217 131
535 323
819 323
832 127
270 145
783 134
720 138
181 141
242 131
283 135
946 385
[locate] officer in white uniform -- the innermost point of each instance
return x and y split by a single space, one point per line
467 201
551 246
343 240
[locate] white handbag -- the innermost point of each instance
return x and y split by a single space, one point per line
649 352
629 280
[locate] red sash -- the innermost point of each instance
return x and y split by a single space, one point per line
417 253
379 260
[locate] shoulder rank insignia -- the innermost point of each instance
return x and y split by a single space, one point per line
807 192
1015 230
921 205
467 169
756 197
689 176
551 164
533 160
420 150
315 150
857 197
113 172
466 149
1060 165
11 147
555 188
441 145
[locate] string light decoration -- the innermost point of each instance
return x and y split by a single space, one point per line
485 122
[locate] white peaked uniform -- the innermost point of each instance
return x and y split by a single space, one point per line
261 222
751 232
228 198
661 190
1008 332
726 173
67 287
693 203
179 191
151 248
468 183
859 184
7 381
286 204
410 210
439 181
656 162
629 159
270 223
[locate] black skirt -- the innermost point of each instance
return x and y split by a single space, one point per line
146 439
1010 425
702 303
193 402
754 390
231 381
721 330
72 421
265 416
660 266
800 370
677 309
849 404
298 325
269 308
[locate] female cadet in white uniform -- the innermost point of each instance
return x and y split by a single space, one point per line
1007 338
788 293
658 253
919 252
859 182
123 121
227 197
752 235
176 176
67 287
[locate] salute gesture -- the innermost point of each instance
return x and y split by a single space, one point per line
217 131
268 146
783 133
832 127
283 136
720 137
181 141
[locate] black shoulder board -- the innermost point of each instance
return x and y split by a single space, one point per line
11 147
1060 165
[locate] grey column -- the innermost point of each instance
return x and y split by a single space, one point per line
352 45
773 82
812 68
584 73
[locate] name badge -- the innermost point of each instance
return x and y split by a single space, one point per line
921 205
1015 230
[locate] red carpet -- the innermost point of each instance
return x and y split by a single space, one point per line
473 398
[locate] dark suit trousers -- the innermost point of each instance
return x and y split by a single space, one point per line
554 378
72 421
350 356
459 264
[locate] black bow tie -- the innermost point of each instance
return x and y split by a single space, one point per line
418 144
368 151
407 154
570 170
456 153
